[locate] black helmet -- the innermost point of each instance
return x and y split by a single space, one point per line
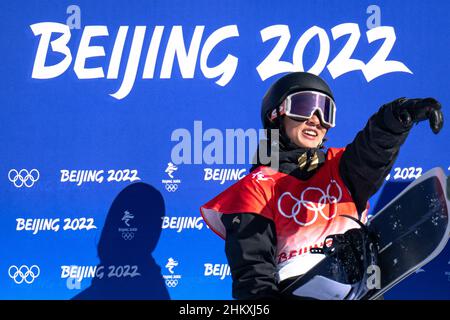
290 83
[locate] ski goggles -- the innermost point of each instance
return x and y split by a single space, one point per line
302 105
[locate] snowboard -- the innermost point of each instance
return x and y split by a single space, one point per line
402 237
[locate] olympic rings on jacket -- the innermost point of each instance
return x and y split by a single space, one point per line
314 205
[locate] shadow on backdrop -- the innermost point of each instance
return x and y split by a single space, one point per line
432 281
130 234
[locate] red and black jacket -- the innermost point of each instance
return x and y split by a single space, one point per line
270 218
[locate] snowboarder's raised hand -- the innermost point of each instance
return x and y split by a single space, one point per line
409 111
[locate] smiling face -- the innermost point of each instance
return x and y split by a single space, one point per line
305 134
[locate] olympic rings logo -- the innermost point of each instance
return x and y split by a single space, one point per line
127 235
24 273
172 283
314 206
23 177
171 187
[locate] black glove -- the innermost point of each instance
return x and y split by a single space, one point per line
409 111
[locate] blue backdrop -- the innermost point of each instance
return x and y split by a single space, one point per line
74 100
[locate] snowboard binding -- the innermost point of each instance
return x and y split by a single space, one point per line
348 258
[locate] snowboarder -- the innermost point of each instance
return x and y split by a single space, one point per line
273 218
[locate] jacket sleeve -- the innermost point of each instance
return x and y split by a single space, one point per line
369 158
250 247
